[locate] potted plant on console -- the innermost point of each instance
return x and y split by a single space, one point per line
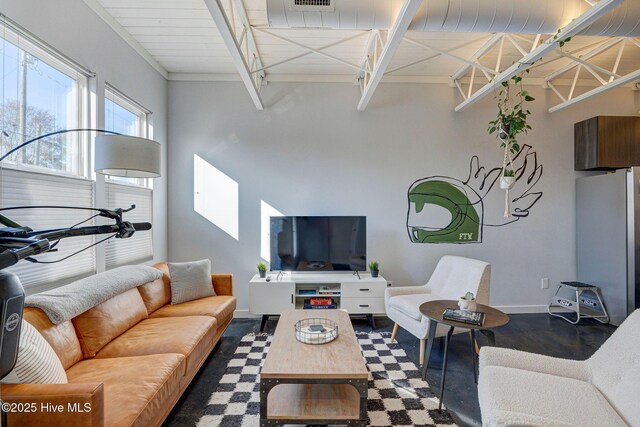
262 269
373 266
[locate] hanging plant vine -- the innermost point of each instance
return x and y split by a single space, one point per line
511 122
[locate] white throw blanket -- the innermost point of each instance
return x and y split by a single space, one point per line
66 302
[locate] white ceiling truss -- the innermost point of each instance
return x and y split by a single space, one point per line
238 36
539 51
496 41
379 63
235 40
311 50
608 79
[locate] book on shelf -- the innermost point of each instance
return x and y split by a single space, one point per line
321 301
308 305
324 290
307 292
464 316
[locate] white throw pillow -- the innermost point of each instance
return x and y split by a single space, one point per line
190 280
37 362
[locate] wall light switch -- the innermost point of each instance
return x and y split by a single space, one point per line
545 283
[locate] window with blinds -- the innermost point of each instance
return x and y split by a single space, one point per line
124 115
20 188
139 247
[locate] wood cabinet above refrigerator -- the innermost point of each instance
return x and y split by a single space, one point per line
607 143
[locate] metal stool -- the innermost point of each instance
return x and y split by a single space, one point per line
583 307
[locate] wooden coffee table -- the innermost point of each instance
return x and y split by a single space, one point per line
313 384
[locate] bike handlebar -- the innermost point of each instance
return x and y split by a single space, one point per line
38 241
7 259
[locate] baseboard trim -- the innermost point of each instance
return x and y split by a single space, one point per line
509 309
527 309
245 314
522 309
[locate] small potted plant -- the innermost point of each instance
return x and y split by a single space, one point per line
373 266
262 269
467 302
507 179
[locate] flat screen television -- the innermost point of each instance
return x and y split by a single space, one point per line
318 243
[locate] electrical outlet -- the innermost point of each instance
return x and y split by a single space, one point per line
545 283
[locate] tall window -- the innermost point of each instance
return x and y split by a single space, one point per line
125 116
41 92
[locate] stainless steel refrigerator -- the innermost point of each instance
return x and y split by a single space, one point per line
608 238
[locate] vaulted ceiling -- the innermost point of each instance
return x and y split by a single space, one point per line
182 40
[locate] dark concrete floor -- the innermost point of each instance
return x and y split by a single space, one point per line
539 333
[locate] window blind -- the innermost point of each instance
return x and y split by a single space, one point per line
139 247
22 188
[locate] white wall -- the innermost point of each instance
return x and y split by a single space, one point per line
311 153
76 31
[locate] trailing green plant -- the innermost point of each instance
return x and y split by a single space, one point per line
511 120
262 266
373 266
508 172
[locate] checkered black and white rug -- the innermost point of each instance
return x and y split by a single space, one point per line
397 394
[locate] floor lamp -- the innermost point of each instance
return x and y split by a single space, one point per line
115 154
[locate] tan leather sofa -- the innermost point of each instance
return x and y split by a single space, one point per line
128 360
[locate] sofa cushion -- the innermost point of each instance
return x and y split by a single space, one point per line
221 307
156 294
101 324
190 336
137 390
190 280
510 396
62 337
37 362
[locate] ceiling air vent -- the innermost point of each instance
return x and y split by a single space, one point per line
312 5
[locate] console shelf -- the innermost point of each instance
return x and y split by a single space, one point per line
362 295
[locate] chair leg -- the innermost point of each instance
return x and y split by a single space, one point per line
395 331
422 344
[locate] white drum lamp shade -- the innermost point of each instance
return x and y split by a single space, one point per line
129 156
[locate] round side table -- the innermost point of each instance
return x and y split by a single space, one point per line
434 310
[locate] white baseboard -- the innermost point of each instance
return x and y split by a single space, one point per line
244 314
509 309
522 309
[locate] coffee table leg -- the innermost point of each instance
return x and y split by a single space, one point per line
444 365
265 388
432 336
473 355
363 389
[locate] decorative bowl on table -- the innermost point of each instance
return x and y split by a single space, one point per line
316 330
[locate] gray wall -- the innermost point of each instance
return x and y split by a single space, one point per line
311 153
72 28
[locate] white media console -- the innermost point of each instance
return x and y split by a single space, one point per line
363 295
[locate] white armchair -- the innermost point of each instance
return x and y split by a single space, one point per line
520 388
453 277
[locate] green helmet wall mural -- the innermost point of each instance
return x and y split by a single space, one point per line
447 210
462 205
